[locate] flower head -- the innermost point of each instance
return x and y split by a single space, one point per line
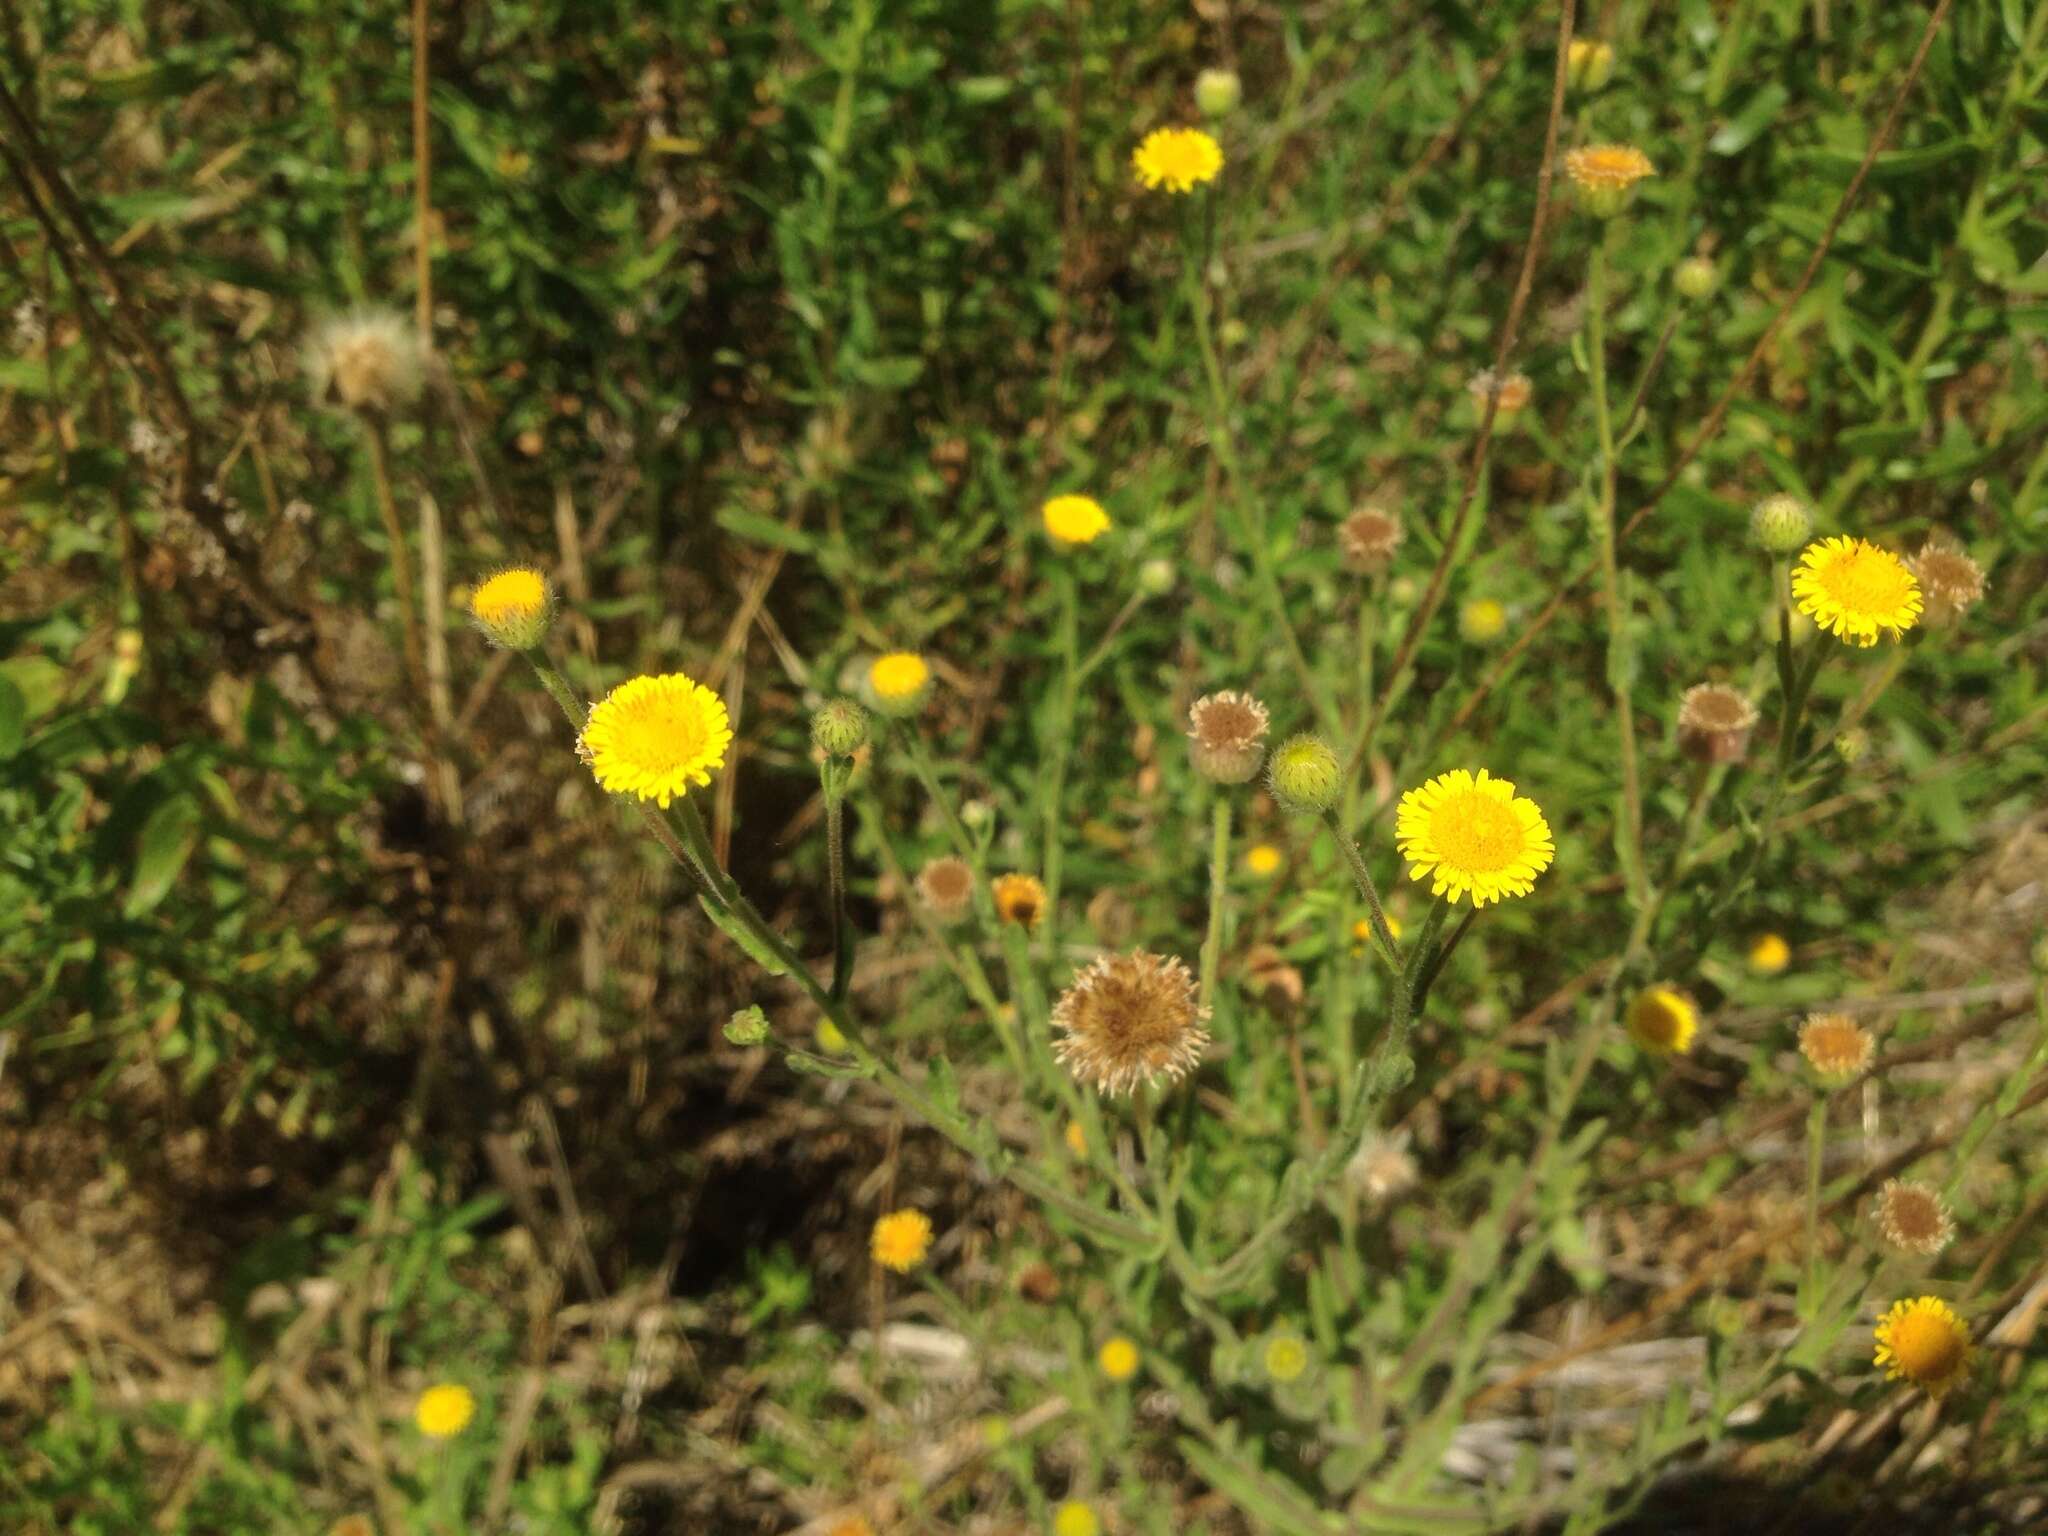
1924 1342
1854 589
1382 1169
1780 524
367 361
444 1411
1510 392
1951 580
1482 619
656 736
1074 519
1606 175
1019 899
898 681
1695 278
1118 1358
1218 91
946 886
1285 1357
1074 1518
1304 774
514 608
1835 1046
1178 159
1769 954
1130 1017
1588 63
900 1240
1368 538
1914 1217
1473 837
1263 859
1663 1021
1714 722
1227 732
839 728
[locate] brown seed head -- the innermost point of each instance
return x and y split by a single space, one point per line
1368 538
1950 580
1130 1017
1714 722
1513 391
1912 1217
1019 899
1227 732
946 886
1834 1045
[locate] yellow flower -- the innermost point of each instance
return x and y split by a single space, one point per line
1482 619
1286 1357
1361 933
900 1240
1769 954
1924 1342
444 1410
899 680
513 608
1835 1046
1073 1518
1179 159
1663 1021
1589 63
1077 1139
1853 589
1606 175
1474 838
656 736
1075 519
1019 899
1262 859
1118 1358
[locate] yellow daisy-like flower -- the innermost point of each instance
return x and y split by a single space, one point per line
1854 589
513 608
1178 159
1769 954
1663 1021
900 1240
1019 899
1075 519
656 736
1924 1342
444 1411
1606 175
1262 859
899 680
1073 1518
1285 1357
1118 1358
1473 837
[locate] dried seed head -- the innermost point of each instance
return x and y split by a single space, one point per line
367 361
1950 580
1512 391
1227 732
1714 723
1130 1017
1382 1169
1913 1217
946 886
1368 539
1020 899
1835 1046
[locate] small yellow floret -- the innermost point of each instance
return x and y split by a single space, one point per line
1118 1358
1663 1021
1769 954
899 678
1075 519
901 1239
444 1410
513 608
1179 159
1925 1342
1073 1518
1262 859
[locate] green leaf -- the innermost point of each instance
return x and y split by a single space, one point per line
756 528
167 841
1757 114
13 718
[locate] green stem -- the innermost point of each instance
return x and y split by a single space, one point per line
1060 750
1816 1146
1219 880
833 775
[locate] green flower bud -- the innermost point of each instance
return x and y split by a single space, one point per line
1304 774
747 1027
1780 524
1588 64
1695 277
840 728
1156 577
1218 91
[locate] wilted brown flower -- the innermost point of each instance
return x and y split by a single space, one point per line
946 886
1227 732
1019 899
1834 1045
1368 539
1714 723
1511 391
1949 579
1130 1017
1913 1217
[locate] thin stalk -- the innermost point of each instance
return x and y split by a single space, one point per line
833 777
1816 1148
1376 915
1059 751
401 559
1219 880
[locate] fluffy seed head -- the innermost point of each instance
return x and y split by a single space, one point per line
1019 899
1368 538
1663 1021
1854 589
1227 736
514 608
367 361
1923 1341
1178 159
1304 774
946 887
1714 723
1780 524
1130 1018
900 1240
1913 1217
1835 1046
1606 176
1951 580
1382 1169
839 728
